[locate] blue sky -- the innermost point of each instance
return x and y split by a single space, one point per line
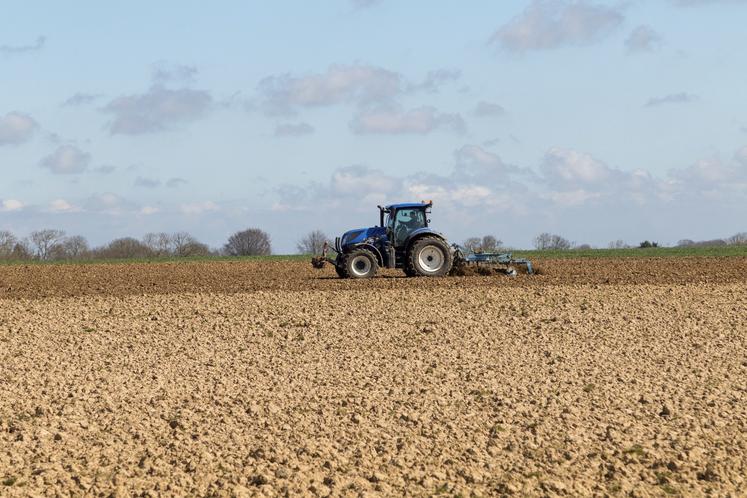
595 120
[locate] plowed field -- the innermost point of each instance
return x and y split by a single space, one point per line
610 376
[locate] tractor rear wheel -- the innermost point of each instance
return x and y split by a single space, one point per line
359 263
429 257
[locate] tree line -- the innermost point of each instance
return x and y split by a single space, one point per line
548 241
313 242
56 245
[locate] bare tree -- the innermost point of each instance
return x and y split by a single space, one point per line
738 239
618 244
160 244
490 243
43 242
711 243
473 244
75 247
184 245
195 248
548 241
250 242
126 247
21 250
7 242
312 243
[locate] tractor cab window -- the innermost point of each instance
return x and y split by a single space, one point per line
406 221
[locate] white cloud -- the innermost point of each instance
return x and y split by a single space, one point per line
485 109
67 159
199 207
16 128
421 120
163 72
675 98
713 173
149 210
741 156
434 79
572 177
642 39
62 206
156 110
339 84
570 198
22 49
466 195
105 169
364 4
144 182
478 178
293 129
350 186
548 24
8 205
109 203
175 182
80 99
567 167
353 180
565 178
691 3
475 165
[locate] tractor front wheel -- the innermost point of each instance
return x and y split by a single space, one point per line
340 271
360 263
429 257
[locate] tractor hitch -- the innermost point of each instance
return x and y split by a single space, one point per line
318 262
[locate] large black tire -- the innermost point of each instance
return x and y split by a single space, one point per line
340 272
429 257
359 263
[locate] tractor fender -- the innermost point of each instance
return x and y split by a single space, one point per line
370 247
420 233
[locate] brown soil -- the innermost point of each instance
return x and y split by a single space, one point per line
619 377
39 281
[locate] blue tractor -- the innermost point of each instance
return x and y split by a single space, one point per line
404 240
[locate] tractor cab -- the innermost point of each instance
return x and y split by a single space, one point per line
402 220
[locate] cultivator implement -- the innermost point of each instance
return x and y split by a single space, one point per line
486 262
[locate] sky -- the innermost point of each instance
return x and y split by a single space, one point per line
594 120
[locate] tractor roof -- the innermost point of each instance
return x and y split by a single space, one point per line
408 205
